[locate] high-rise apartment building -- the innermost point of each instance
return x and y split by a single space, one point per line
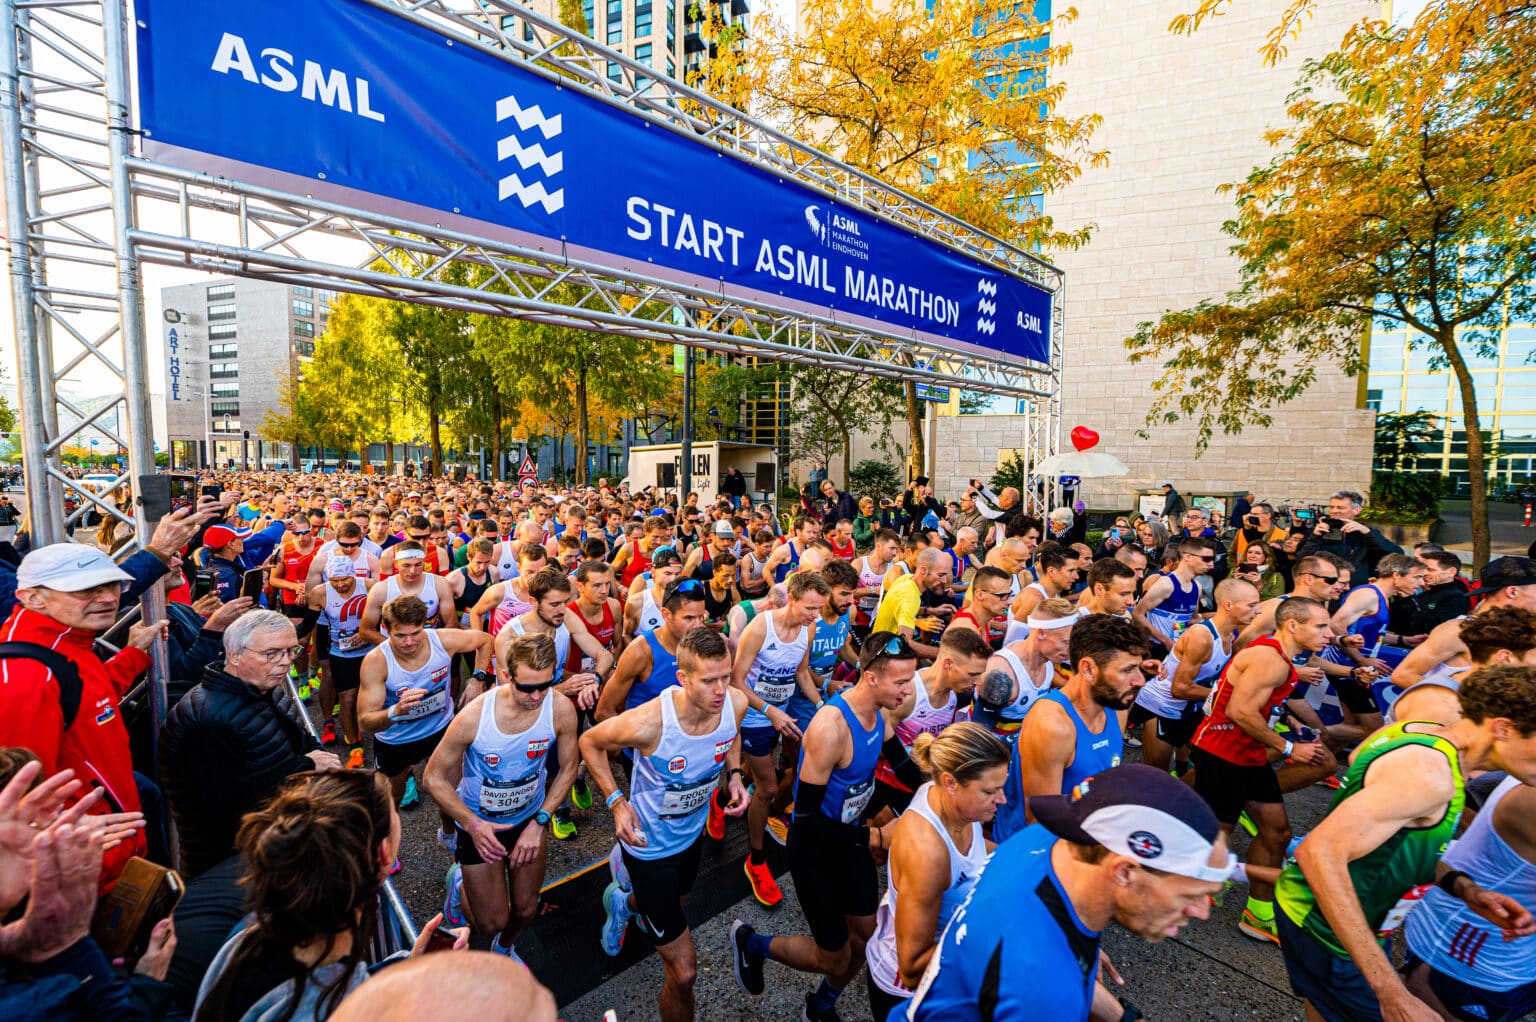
662 34
229 345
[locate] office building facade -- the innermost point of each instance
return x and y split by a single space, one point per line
229 345
1181 116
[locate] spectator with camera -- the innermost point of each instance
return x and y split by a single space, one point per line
1256 525
1339 533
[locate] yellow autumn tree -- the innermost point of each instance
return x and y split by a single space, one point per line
1402 192
956 103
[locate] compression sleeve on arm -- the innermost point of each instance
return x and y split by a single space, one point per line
901 763
307 622
808 814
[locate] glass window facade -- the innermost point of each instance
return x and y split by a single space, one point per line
218 312
302 308
218 292
1405 376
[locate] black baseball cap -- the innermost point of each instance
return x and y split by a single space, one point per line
1507 571
1140 812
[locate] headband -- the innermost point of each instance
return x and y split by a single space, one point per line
410 555
1047 623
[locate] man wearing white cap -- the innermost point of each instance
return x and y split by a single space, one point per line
56 698
1132 846
339 604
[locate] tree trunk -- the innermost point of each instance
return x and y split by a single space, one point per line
847 455
915 457
437 435
499 463
1477 469
581 426
389 457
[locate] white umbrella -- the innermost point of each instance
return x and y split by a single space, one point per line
1083 464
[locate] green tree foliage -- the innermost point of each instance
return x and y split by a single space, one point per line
1401 437
830 406
876 479
1400 193
1012 472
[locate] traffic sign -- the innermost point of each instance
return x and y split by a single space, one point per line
528 468
527 481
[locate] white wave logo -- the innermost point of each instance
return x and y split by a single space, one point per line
530 155
987 308
814 222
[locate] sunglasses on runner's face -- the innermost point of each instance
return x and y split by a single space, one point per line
1329 579
530 689
349 546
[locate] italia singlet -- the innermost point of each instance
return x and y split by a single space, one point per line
964 869
924 717
772 674
1389 879
504 775
434 711
671 787
825 646
1219 736
562 639
1093 753
1157 695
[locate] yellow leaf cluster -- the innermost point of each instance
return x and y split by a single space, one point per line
957 104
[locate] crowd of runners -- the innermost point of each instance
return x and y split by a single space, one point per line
930 706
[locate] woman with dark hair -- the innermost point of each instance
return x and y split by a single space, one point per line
315 859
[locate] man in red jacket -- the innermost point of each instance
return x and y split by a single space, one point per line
66 595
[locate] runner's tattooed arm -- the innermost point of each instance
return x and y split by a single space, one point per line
996 690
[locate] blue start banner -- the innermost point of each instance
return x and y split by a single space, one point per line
357 104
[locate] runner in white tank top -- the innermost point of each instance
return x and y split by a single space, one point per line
491 775
561 636
650 613
432 713
964 868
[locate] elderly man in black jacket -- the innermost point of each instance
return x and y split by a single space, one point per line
231 741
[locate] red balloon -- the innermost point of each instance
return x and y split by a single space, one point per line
1083 437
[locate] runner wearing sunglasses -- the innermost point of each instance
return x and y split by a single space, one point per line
490 775
1170 602
648 665
681 742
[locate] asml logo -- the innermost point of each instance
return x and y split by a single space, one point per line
530 155
677 764
836 231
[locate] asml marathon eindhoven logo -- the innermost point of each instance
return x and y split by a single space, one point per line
837 232
530 154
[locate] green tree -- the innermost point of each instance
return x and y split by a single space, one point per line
876 479
1402 437
7 413
1400 194
355 390
937 99
555 368
830 406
